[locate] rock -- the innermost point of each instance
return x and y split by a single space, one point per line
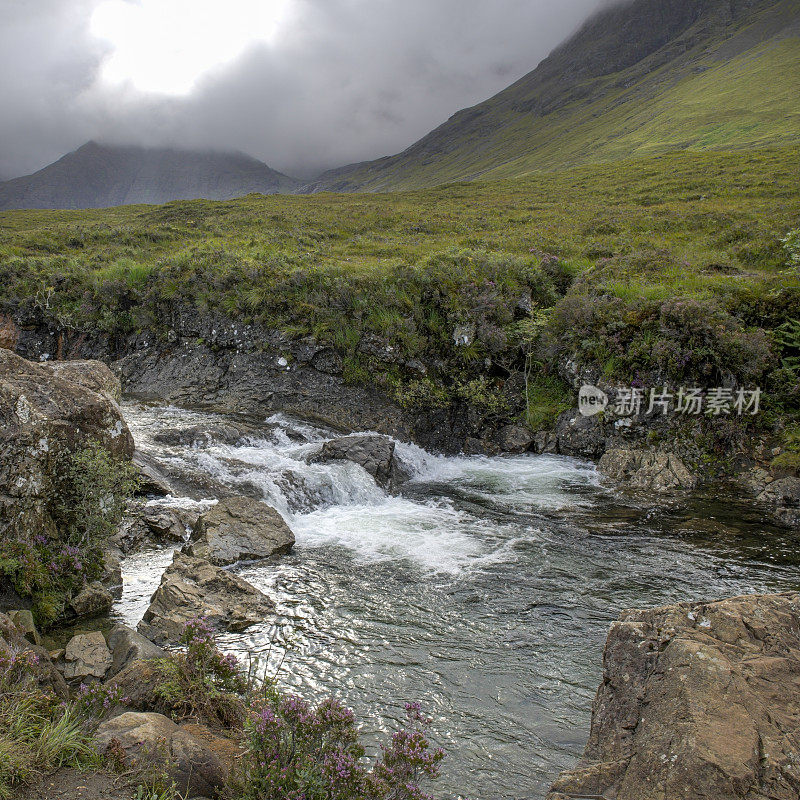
164 523
644 469
151 480
579 436
87 656
697 701
128 646
545 442
191 764
514 438
45 412
47 676
112 573
782 496
137 682
480 447
92 601
238 529
23 620
372 452
192 587
92 375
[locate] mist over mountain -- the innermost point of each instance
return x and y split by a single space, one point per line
637 79
97 176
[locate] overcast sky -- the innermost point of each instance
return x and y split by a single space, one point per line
301 84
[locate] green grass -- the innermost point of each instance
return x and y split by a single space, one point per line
621 261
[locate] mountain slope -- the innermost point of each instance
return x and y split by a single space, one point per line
98 176
638 79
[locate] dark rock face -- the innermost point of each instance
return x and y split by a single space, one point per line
239 529
191 588
697 701
782 496
374 453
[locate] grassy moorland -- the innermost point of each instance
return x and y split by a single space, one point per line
670 269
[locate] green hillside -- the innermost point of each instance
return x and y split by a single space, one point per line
637 81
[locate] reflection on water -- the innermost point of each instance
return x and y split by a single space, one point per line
484 589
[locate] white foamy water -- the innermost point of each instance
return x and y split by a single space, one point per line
482 587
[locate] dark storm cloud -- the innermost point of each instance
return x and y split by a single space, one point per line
347 80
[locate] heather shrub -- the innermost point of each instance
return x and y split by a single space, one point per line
200 681
296 750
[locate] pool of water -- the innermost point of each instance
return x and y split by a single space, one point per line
484 588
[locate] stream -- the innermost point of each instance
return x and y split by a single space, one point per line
484 588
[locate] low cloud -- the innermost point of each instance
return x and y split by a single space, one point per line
343 81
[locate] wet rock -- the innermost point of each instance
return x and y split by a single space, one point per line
782 496
645 469
112 573
144 737
237 529
87 656
145 524
545 442
151 480
164 523
514 438
128 646
372 452
480 447
92 601
697 701
192 587
579 436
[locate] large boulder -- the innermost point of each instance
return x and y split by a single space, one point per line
697 701
87 657
577 435
46 411
192 587
647 470
145 738
88 374
373 452
237 529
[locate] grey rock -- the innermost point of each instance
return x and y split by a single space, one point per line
92 601
514 438
147 737
782 496
151 480
237 529
87 656
372 452
644 469
579 436
128 646
192 587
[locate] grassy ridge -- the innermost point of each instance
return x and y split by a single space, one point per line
604 251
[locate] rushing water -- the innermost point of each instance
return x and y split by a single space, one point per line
483 589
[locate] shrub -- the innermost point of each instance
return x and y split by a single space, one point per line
201 682
37 732
87 505
299 751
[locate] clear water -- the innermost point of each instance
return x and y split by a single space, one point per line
484 589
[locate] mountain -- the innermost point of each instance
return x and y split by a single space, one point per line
639 78
98 176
